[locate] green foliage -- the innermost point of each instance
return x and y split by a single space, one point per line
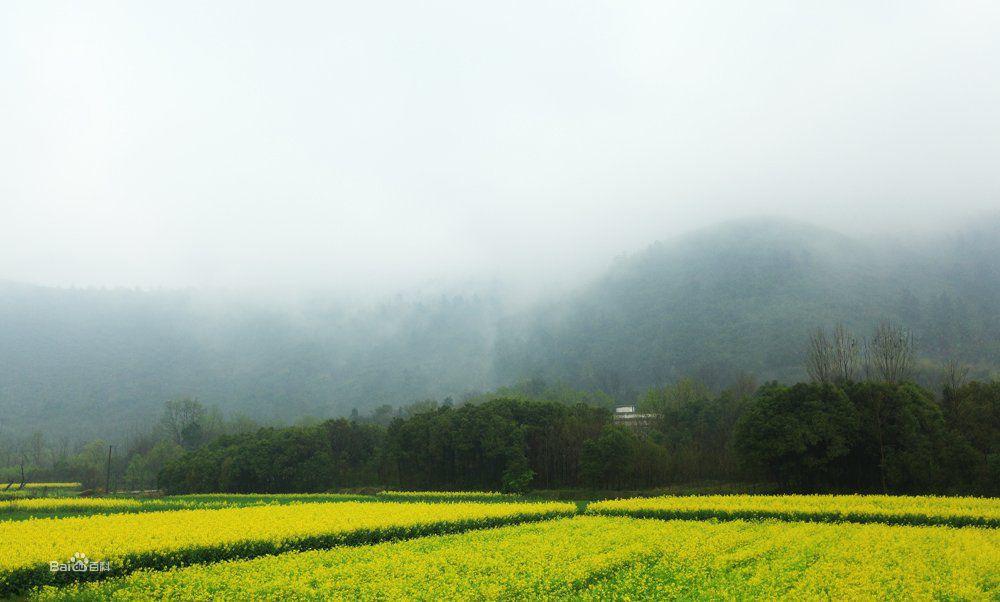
605 460
744 297
861 437
974 410
696 428
972 415
540 389
90 464
336 453
619 459
517 475
502 444
798 436
491 445
869 437
901 437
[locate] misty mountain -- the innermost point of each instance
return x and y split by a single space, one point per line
92 362
740 297
744 296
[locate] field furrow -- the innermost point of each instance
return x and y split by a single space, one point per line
164 539
59 507
893 510
603 558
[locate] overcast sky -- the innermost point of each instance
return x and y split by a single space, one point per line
352 143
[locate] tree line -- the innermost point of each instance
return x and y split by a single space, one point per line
859 425
866 437
132 462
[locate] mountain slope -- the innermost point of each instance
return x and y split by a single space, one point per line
739 297
743 297
91 362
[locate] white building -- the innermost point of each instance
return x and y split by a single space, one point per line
629 417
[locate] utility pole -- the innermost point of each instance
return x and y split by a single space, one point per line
107 486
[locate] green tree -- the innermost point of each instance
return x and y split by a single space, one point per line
902 437
798 436
606 461
91 464
972 413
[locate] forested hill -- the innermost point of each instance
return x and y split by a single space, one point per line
741 297
89 363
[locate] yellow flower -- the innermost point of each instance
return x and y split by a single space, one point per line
904 510
601 558
159 539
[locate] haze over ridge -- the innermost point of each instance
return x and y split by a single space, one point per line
385 145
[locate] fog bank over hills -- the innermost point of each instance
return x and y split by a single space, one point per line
375 146
740 297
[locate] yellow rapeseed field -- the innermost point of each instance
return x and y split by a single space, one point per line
448 496
53 485
244 498
159 539
903 510
45 504
69 506
23 507
604 558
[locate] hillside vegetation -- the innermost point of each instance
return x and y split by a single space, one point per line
715 304
743 298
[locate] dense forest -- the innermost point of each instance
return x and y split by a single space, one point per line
879 433
859 425
741 297
851 437
713 305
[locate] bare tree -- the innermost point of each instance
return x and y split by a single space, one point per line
36 443
954 375
184 421
820 359
889 353
745 386
62 451
846 355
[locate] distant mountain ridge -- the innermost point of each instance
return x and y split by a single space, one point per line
743 297
92 362
738 297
